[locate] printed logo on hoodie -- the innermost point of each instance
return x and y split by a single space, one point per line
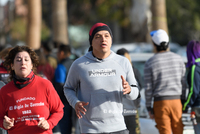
102 72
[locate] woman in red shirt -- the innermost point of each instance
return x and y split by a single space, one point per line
29 104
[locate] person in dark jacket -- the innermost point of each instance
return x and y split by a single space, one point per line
130 112
193 98
63 54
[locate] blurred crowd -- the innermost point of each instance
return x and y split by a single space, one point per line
165 83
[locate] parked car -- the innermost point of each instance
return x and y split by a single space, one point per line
143 47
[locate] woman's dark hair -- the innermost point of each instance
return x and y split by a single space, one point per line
122 51
65 48
9 59
48 46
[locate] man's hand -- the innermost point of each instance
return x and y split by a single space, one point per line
43 124
126 86
7 122
79 108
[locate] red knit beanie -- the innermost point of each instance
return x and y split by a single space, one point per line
96 28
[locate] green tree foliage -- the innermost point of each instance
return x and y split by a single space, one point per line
91 11
45 32
183 16
183 20
18 30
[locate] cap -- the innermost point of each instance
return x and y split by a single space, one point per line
96 28
159 36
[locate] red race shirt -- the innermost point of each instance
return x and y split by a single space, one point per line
38 100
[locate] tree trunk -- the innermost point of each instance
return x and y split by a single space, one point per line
60 23
159 19
34 24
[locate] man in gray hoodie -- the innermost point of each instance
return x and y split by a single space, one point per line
96 84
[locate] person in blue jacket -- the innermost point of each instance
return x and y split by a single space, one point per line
193 78
62 69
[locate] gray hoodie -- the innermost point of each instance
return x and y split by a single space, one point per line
99 83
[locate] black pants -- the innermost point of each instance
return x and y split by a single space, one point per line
133 123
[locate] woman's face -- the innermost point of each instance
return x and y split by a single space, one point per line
22 64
